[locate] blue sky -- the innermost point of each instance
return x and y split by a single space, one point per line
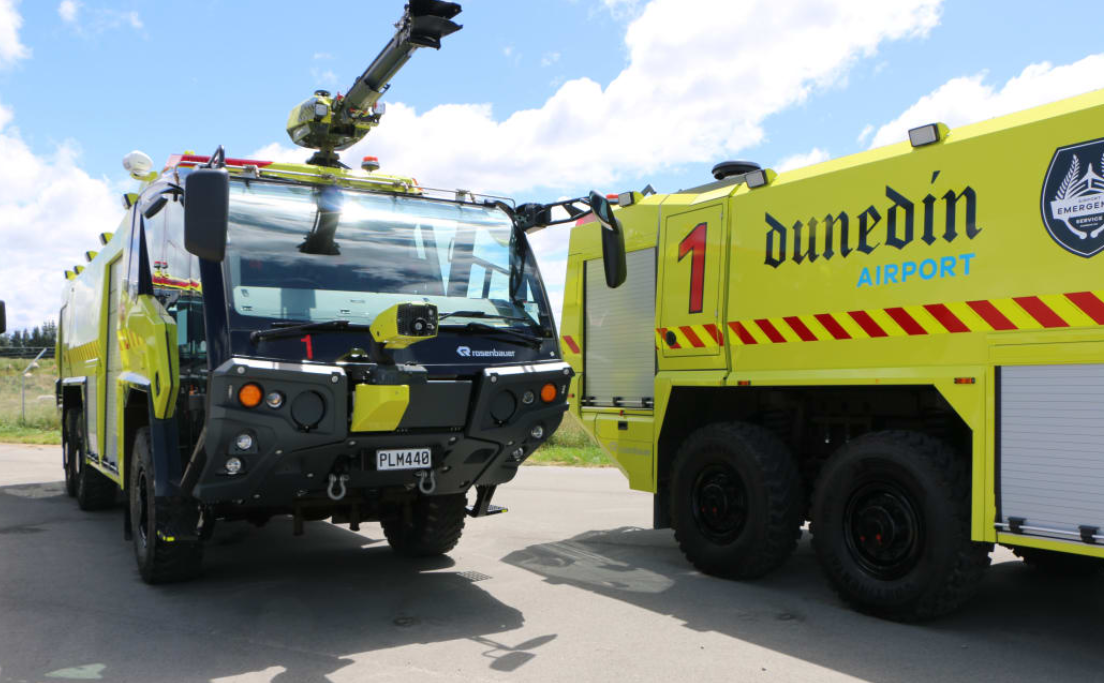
538 99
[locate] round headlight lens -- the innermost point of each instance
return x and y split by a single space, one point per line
244 442
537 432
275 399
233 465
528 397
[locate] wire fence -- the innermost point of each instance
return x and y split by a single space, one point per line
25 351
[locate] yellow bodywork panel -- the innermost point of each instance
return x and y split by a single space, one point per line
379 408
928 266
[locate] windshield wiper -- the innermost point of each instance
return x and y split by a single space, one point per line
282 329
482 314
508 333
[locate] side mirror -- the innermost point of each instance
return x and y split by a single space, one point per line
3 319
613 241
206 212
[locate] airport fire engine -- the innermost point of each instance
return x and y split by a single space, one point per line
903 347
260 339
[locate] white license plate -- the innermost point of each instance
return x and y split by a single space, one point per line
403 459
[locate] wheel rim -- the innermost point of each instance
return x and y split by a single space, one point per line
883 529
720 503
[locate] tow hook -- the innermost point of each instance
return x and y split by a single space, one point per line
337 482
427 481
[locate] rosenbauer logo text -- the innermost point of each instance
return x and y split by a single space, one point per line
469 352
901 224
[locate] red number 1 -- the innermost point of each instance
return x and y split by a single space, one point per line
695 242
310 352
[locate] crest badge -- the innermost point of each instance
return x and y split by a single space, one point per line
1073 198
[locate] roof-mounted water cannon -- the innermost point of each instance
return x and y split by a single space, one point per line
329 123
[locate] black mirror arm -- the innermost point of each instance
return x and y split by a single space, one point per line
533 216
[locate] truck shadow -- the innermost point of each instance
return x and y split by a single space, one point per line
290 609
1020 627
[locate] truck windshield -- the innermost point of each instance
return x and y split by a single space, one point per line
321 253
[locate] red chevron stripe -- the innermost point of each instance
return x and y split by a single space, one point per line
1090 304
715 333
833 327
991 315
867 323
1040 311
800 328
946 318
906 321
692 337
770 331
743 334
571 343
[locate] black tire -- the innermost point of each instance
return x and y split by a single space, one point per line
72 451
433 527
1058 564
159 561
92 489
735 500
891 526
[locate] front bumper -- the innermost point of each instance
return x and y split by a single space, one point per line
480 441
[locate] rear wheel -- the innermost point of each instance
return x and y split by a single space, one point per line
160 560
735 500
72 451
1059 564
432 528
92 489
891 526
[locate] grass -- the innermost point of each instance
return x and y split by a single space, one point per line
41 424
570 445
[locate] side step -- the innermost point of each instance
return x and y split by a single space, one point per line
483 507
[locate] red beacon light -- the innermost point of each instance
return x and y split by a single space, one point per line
370 164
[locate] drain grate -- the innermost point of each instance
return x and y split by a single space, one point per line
474 577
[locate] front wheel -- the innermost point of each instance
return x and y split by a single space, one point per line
432 528
160 560
735 500
891 526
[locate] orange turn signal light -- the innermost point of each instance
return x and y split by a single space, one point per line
548 392
250 395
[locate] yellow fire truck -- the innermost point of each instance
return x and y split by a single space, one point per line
903 347
260 339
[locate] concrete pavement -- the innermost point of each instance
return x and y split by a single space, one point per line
571 585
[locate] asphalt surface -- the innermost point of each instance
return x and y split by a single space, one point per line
571 585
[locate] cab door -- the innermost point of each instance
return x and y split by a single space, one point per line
691 273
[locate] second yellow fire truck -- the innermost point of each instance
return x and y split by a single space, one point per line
904 347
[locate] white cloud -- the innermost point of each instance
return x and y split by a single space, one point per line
50 214
813 156
969 98
621 9
96 20
11 50
68 10
865 134
550 58
692 91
